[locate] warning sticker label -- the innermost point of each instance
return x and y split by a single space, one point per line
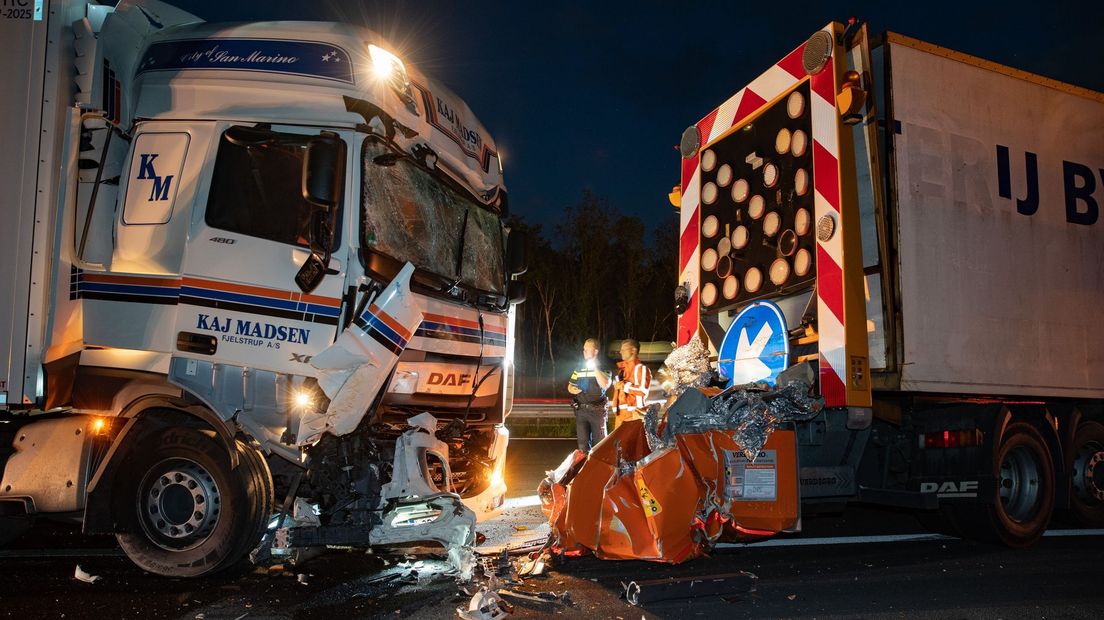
651 506
747 481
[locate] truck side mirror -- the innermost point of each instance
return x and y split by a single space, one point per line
516 292
517 253
324 170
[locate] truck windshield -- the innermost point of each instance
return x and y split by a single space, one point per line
409 215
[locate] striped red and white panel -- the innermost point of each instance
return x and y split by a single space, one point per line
781 77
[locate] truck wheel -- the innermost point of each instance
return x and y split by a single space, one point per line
1087 475
187 513
1023 501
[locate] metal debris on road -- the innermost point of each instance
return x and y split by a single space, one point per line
485 604
654 590
713 466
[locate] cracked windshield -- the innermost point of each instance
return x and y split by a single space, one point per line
411 216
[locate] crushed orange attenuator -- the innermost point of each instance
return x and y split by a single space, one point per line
624 501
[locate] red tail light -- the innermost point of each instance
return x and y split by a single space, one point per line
951 439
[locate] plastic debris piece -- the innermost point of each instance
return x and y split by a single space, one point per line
301 578
85 576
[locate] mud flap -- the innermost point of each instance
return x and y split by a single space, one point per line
352 371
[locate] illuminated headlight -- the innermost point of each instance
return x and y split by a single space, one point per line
709 193
740 237
302 400
709 294
772 223
710 226
798 143
753 279
387 67
709 260
779 271
709 161
756 207
740 191
795 105
724 175
802 262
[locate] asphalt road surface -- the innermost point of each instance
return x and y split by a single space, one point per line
864 563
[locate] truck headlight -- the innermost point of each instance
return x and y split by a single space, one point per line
387 67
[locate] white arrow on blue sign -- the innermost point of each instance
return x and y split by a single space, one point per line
756 346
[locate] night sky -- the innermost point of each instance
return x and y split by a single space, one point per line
595 95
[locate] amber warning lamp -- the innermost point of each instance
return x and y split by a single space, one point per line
851 98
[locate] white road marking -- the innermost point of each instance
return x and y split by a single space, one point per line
522 502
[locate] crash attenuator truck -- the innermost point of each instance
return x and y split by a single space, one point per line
925 227
253 275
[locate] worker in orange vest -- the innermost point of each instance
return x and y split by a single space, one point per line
631 387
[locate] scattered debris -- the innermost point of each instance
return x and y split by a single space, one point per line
84 576
485 604
534 566
301 578
712 466
686 367
540 597
791 596
652 590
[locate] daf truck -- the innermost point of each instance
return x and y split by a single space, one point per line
926 226
257 290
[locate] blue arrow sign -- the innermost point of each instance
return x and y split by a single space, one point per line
756 346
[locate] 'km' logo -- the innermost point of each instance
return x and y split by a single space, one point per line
160 189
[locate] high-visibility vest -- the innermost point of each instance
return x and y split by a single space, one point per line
636 379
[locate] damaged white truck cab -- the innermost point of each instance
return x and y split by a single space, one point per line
262 253
921 228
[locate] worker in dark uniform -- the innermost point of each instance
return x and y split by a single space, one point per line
588 397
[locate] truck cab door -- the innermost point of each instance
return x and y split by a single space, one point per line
239 301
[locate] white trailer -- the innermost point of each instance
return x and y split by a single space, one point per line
928 225
249 269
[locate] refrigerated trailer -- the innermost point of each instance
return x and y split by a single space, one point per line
248 270
927 226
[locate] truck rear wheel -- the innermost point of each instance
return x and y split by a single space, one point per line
1087 475
187 512
1019 511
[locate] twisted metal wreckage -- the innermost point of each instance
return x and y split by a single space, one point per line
711 465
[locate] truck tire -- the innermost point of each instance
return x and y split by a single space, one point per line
1087 475
185 511
1023 500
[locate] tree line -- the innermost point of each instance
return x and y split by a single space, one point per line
596 273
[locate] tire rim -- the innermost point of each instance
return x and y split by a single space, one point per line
1020 483
178 504
1088 472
